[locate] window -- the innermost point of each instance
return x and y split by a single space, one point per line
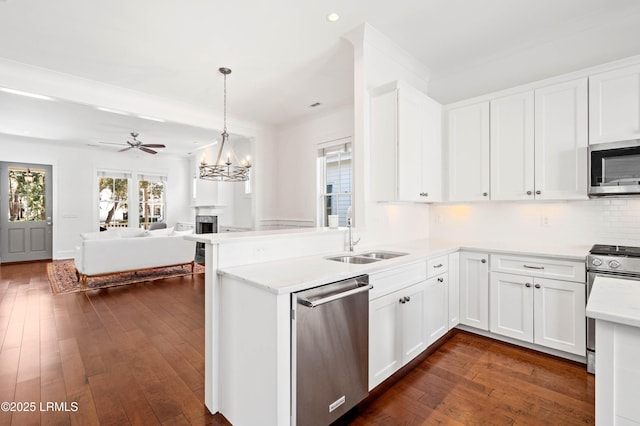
113 190
336 177
26 195
151 197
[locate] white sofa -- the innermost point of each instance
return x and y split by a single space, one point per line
127 249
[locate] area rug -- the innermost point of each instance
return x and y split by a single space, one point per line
62 276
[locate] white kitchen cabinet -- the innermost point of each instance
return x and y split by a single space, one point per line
511 303
474 289
559 315
454 289
468 147
405 144
397 331
614 105
512 147
561 141
527 306
437 307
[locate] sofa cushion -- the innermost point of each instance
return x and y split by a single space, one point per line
160 232
130 232
99 235
187 232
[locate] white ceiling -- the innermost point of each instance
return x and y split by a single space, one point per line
285 55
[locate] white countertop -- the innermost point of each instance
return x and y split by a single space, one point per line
296 274
616 300
235 237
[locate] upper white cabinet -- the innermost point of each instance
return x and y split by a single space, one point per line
614 105
561 141
512 147
405 144
468 145
539 144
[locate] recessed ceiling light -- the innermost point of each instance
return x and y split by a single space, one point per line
146 117
113 111
27 94
333 17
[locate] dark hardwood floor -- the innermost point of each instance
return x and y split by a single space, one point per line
135 355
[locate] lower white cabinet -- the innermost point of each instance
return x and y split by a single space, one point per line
397 331
437 307
474 289
454 289
538 310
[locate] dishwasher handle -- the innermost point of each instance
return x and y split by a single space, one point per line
323 300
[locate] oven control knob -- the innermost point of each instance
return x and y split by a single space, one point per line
596 261
614 264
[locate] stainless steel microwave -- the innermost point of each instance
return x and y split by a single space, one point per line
615 168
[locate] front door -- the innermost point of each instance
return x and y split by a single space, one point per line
25 212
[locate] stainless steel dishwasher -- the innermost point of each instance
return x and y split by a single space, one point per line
330 350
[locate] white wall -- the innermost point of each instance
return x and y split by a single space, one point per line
296 159
75 184
595 221
377 61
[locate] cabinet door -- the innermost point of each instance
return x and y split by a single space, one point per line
474 290
410 137
454 290
614 105
431 155
468 136
384 144
414 327
437 303
512 149
385 338
560 315
561 141
511 301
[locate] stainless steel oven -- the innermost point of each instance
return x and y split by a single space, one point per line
608 261
614 168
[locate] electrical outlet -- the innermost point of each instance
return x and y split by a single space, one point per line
544 220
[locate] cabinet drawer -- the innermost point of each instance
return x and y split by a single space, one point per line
437 266
386 282
566 270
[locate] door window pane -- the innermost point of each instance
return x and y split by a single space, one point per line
337 175
26 195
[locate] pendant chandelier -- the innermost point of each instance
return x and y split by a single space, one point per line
225 171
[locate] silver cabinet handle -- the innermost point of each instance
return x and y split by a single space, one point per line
537 286
322 301
484 194
484 261
529 192
533 267
439 265
440 280
424 194
538 192
407 299
527 285
402 301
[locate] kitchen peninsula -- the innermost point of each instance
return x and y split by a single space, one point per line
615 305
250 278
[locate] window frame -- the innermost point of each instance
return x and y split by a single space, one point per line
340 146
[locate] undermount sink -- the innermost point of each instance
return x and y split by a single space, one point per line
352 259
382 254
369 257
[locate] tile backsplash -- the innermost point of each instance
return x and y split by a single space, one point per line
599 220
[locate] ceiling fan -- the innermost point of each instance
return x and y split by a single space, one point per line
135 143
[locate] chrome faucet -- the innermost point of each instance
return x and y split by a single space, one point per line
351 242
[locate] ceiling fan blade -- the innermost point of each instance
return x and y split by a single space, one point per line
125 149
150 151
112 143
153 145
